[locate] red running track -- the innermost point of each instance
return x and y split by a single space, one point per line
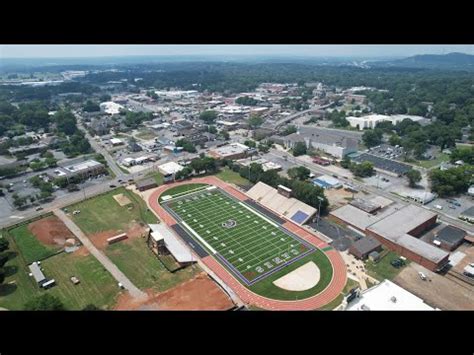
333 290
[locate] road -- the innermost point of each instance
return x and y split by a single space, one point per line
99 149
279 155
298 114
135 292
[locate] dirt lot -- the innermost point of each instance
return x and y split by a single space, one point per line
339 197
441 292
200 293
467 249
50 231
122 200
135 230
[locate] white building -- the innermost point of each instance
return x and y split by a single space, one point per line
116 141
387 296
169 170
370 121
111 108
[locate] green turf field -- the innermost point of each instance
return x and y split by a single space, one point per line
247 243
182 189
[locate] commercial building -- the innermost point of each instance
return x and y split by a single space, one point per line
335 144
266 165
116 141
327 182
371 121
387 296
230 151
169 170
83 169
388 166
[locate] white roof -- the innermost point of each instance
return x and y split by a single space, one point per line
329 180
388 296
179 251
170 168
116 141
82 166
111 107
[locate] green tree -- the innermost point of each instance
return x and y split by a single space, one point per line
3 258
414 177
299 173
364 169
4 244
452 181
187 145
208 116
299 149
250 143
212 129
255 121
289 130
91 307
395 140
45 302
2 275
372 138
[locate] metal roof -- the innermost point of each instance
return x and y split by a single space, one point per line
179 251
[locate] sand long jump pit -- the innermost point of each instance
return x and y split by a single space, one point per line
303 278
122 200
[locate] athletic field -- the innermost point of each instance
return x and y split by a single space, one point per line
246 242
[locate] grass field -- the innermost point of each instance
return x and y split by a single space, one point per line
441 157
97 285
383 269
146 134
232 177
157 176
29 246
143 268
103 213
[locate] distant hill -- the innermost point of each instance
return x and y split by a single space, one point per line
460 61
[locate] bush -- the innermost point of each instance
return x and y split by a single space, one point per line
44 302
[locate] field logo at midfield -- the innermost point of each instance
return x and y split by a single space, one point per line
229 223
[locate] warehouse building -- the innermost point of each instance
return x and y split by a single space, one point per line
468 215
327 182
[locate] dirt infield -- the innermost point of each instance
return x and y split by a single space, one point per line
198 294
331 292
50 231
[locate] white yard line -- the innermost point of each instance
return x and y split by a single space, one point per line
199 237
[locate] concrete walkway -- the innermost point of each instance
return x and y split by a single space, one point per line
135 292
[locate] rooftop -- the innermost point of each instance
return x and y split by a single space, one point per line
401 222
365 245
170 168
388 296
174 246
450 235
82 166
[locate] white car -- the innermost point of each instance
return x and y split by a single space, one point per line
422 276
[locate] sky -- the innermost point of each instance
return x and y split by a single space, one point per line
74 51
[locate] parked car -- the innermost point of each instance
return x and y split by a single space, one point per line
38 208
422 276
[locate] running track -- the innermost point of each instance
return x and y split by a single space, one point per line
333 290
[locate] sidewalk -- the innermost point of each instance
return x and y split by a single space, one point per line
135 292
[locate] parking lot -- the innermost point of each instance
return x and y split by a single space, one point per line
452 209
384 163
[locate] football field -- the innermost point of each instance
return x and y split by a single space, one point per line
243 240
